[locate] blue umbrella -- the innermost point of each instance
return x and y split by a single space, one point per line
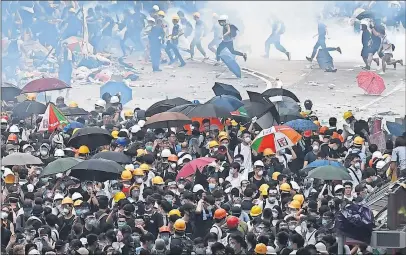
231 103
230 62
319 163
395 128
117 88
73 125
302 125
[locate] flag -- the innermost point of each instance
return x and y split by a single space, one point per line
240 112
52 118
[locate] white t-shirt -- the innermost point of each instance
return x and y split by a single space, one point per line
235 182
246 152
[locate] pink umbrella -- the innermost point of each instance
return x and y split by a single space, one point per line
44 84
190 168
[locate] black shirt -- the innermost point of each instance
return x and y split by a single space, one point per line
310 157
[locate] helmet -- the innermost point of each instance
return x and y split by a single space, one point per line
260 249
135 129
197 188
259 163
264 189
221 138
323 129
157 180
122 141
67 200
358 140
174 212
59 153
3 121
166 153
31 96
275 175
285 187
380 164
77 203
308 104
220 214
337 187
196 14
232 222
129 113
141 152
14 129
73 104
75 130
114 100
175 17
222 134
295 204
83 150
101 103
118 196
126 175
347 115
179 225
173 158
164 229
161 13
268 152
76 196
256 211
155 7
213 144
114 134
138 172
129 167
144 167
223 18
299 197
377 154
9 177
12 137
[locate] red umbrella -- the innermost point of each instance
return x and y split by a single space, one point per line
370 82
44 84
190 168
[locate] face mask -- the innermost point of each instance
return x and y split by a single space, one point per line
135 193
324 222
275 215
65 211
200 251
44 152
173 166
315 148
4 215
260 173
357 165
282 151
292 227
181 186
148 148
215 149
272 199
121 224
212 185
247 139
335 147
225 145
139 180
209 244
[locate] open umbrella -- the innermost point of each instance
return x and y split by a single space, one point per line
44 84
74 111
167 120
284 105
20 159
276 138
165 105
115 88
97 170
28 108
225 89
229 102
280 92
60 165
117 157
286 118
370 82
302 125
264 110
190 168
201 110
368 15
329 172
92 137
318 163
9 91
72 125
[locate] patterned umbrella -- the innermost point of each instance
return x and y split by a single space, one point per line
371 83
276 138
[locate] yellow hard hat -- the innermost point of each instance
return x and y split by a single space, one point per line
180 225
141 152
275 175
260 249
9 179
144 167
221 138
129 113
161 13
157 180
358 140
213 144
175 17
347 115
222 134
75 130
31 96
77 202
73 104
174 212
196 14
67 200
138 172
242 128
126 175
299 197
268 152
264 189
114 134
255 211
295 204
118 196
234 123
83 150
285 187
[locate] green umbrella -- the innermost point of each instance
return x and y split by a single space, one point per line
60 165
329 172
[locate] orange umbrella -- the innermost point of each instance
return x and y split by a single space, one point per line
276 138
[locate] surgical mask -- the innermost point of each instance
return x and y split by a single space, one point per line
260 173
173 165
215 149
315 148
282 151
225 145
121 224
209 244
44 152
65 211
181 186
292 227
247 139
148 148
272 199
324 222
212 185
357 165
4 215
139 180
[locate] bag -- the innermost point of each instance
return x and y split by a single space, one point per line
233 30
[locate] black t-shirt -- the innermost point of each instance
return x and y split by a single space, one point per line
258 183
310 157
329 151
153 223
203 226
66 227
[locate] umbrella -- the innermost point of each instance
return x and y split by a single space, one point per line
367 15
231 64
370 82
302 125
167 120
265 107
92 137
231 103
225 89
329 172
28 108
201 110
165 105
72 125
74 111
284 105
319 163
60 165
20 159
117 157
286 118
117 88
276 138
44 84
280 92
97 170
9 91
395 128
190 168
77 44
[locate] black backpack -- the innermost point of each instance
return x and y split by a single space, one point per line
233 30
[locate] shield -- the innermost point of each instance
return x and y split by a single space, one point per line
226 89
117 88
329 172
74 111
230 62
280 92
167 120
190 168
302 125
371 83
201 110
97 170
20 159
28 108
228 102
117 157
9 91
92 137
276 138
165 105
59 166
45 84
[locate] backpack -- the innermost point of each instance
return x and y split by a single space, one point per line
233 30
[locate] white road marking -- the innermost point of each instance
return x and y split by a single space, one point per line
397 88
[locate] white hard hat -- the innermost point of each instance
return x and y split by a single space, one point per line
129 167
3 120
7 171
338 187
166 153
58 139
59 153
223 17
27 146
141 123
155 7
187 156
295 186
124 130
197 188
380 164
100 103
259 163
14 129
150 19
114 99
377 154
58 196
364 22
76 196
136 128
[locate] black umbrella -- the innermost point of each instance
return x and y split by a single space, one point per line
228 102
74 111
97 170
28 108
9 91
226 89
284 105
164 105
201 110
258 110
280 92
117 157
368 15
92 137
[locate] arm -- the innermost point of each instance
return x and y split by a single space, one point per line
199 207
294 156
228 31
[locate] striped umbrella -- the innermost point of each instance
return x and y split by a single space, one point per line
276 138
